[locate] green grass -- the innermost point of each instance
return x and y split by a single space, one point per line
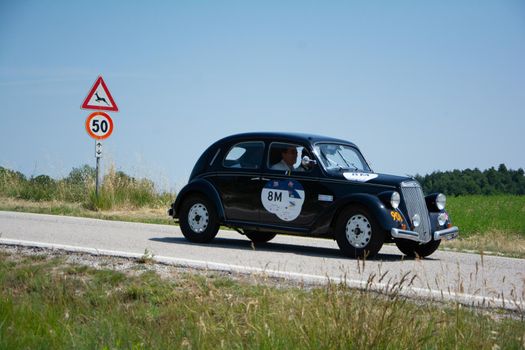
46 303
144 215
478 214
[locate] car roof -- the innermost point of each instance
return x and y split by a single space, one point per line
284 136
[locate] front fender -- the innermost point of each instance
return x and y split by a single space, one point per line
434 220
371 202
200 186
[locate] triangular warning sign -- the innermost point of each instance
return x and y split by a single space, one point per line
99 98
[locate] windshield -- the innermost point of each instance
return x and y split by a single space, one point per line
340 157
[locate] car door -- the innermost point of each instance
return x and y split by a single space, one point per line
239 180
292 199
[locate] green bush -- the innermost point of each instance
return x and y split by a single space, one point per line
117 190
78 184
40 188
11 182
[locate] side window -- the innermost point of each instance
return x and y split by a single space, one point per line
287 157
245 155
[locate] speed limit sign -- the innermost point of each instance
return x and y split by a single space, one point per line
99 125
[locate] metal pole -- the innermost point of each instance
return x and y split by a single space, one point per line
97 182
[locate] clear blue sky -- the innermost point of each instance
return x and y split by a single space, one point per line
418 85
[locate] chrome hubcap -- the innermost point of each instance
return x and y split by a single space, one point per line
198 218
358 231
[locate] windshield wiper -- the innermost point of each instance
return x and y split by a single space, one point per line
343 158
355 167
330 162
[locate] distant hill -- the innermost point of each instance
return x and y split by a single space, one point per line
474 181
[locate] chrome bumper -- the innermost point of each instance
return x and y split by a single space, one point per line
448 233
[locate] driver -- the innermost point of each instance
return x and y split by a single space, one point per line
288 159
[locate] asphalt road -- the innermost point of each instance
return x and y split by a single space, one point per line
470 278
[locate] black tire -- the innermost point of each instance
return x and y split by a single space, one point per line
259 237
365 236
414 249
199 221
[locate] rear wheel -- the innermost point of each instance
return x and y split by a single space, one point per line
259 237
199 222
358 234
413 249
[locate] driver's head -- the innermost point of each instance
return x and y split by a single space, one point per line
289 155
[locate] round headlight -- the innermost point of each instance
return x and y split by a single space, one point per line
441 201
416 220
395 200
442 219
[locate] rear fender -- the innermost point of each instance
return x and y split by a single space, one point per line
198 186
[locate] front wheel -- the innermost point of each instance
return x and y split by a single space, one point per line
358 234
259 237
414 249
199 222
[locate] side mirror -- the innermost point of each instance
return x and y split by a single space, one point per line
308 163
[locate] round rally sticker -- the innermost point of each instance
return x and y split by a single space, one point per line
283 198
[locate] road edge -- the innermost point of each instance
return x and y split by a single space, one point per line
383 288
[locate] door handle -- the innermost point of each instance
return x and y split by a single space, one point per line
255 178
265 179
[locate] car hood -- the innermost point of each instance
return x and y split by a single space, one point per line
374 178
390 180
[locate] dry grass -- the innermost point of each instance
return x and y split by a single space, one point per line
48 303
122 213
491 243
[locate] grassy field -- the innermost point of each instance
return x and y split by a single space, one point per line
48 303
477 215
490 224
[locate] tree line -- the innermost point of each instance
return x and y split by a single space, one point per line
474 181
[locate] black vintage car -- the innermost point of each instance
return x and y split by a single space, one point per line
263 184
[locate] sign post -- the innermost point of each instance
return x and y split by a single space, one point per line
98 155
99 125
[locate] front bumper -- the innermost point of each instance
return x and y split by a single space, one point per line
449 233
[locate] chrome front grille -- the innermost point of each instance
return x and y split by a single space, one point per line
415 204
